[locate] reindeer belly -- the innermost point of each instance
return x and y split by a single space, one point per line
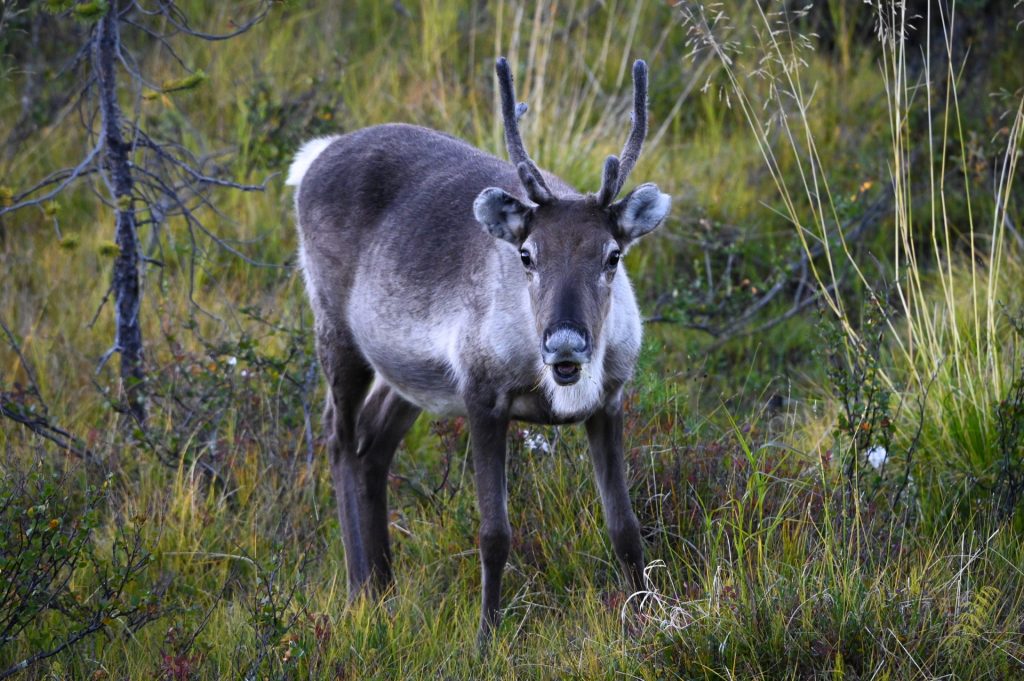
424 381
408 349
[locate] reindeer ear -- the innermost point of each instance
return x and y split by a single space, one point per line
641 211
502 215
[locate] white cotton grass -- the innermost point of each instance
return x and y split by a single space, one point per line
536 442
876 456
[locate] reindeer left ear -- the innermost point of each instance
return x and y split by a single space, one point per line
641 211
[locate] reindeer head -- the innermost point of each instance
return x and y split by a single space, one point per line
571 247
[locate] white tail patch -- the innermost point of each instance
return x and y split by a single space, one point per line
304 158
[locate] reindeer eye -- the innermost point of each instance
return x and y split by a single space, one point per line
613 259
524 255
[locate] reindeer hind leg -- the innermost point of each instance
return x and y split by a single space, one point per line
348 380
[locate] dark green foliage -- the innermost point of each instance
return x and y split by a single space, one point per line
279 123
857 380
1009 414
269 366
58 586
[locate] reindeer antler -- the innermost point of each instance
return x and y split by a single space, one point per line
529 174
617 170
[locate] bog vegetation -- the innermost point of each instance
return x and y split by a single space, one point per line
825 436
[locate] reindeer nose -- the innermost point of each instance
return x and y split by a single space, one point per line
566 343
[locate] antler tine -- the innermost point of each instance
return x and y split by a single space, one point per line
609 181
534 189
511 113
635 141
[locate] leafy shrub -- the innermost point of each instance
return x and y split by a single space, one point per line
58 586
279 124
1010 433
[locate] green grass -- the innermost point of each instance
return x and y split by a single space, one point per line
768 558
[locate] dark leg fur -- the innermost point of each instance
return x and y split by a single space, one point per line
383 422
364 433
487 432
604 432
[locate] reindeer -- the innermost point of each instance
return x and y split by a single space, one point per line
444 279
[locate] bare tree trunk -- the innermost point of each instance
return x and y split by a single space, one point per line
128 341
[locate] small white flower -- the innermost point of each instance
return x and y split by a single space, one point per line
536 442
232 361
877 456
245 374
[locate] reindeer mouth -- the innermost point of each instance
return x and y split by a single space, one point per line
565 373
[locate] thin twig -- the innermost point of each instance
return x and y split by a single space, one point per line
179 21
29 371
41 426
65 177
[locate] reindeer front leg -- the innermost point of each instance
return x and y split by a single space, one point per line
604 433
487 432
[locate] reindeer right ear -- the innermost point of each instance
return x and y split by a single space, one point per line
641 211
502 215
